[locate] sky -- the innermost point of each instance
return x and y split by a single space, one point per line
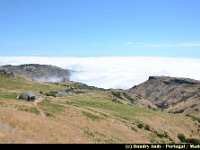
97 28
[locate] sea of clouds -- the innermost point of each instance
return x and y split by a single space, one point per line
116 72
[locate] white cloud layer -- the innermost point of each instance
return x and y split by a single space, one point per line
116 72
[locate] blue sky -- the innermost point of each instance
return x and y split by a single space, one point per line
100 28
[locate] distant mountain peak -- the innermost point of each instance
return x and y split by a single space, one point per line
41 73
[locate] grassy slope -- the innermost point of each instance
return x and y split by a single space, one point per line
90 117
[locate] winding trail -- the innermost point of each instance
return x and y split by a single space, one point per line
36 102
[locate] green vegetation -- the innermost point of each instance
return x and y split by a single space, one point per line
123 111
193 141
140 126
51 93
156 136
197 119
183 139
6 95
29 109
6 83
194 118
91 116
20 83
51 109
116 100
74 86
79 91
129 97
117 94
89 133
97 138
147 127
160 135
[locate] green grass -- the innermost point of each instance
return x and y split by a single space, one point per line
129 97
51 93
51 109
117 94
80 86
91 116
28 109
8 83
120 110
23 84
6 95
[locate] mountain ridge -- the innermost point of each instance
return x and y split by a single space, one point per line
171 94
40 73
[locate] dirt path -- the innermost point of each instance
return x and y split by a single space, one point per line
36 102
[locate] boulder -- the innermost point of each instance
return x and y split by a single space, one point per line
30 96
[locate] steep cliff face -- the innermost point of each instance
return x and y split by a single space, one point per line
41 73
179 95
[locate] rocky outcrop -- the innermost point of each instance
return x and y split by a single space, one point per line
5 72
27 95
41 73
172 94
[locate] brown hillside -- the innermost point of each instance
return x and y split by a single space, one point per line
86 115
178 95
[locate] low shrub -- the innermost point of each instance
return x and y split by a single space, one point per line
140 126
193 141
181 137
147 127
